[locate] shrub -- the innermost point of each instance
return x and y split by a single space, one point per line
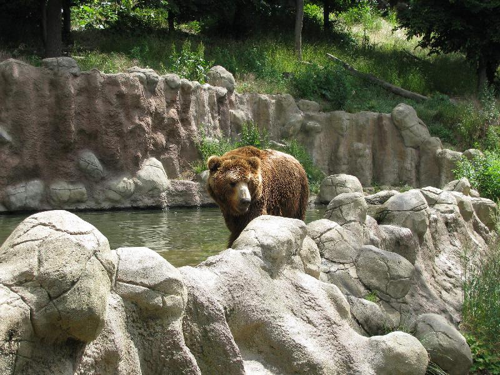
483 173
191 64
329 83
252 136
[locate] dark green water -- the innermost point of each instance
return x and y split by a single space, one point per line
182 236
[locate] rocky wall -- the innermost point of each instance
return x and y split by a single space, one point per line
287 298
79 140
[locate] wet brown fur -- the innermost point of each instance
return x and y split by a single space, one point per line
277 183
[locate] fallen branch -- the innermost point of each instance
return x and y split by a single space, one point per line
386 85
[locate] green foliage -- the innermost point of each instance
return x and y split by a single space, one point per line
364 12
329 83
372 296
252 136
480 122
191 64
483 173
481 309
129 15
468 26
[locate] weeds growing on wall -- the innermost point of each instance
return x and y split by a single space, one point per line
481 310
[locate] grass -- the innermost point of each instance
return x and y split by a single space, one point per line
481 310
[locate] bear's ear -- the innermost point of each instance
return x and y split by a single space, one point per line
254 162
213 163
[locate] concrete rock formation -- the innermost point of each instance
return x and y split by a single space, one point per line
111 125
286 298
76 306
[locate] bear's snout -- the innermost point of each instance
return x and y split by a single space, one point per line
244 197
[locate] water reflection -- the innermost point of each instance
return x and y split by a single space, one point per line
182 236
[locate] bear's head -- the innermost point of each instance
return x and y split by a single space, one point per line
235 182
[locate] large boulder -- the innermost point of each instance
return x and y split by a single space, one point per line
90 165
388 273
398 354
486 210
445 345
25 196
151 177
413 130
347 208
409 210
63 269
66 193
218 76
337 184
147 279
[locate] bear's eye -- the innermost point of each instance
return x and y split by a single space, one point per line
232 184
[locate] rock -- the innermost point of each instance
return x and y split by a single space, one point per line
337 184
183 193
218 76
464 204
174 82
435 196
62 268
413 130
64 193
277 238
311 257
474 193
409 210
152 177
312 127
401 241
147 279
486 210
25 196
61 65
462 186
446 346
447 161
472 153
120 188
398 353
90 165
151 78
385 272
381 197
5 138
334 242
369 315
347 208
308 106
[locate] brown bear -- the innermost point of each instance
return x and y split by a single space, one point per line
248 182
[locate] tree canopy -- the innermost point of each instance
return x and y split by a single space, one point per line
471 27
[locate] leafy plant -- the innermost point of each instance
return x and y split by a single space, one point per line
252 136
483 172
191 64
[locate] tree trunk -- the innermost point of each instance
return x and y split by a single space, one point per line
171 19
54 29
481 75
67 22
326 15
299 19
43 25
